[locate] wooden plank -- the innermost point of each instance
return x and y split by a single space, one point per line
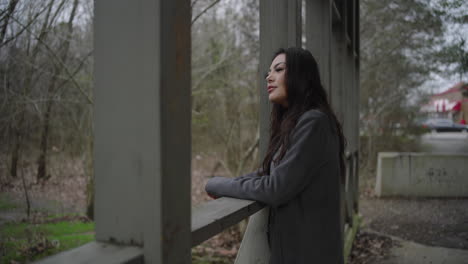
357 27
343 207
337 80
96 252
348 42
353 21
336 14
348 193
173 178
213 217
294 23
356 182
318 37
349 102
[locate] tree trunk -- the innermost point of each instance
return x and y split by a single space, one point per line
15 154
90 172
41 163
90 198
28 84
63 54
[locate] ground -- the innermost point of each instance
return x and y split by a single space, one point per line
432 222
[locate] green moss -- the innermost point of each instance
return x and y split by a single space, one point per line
25 242
350 236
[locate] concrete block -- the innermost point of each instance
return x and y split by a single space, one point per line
422 174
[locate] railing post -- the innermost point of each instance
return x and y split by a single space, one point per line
142 126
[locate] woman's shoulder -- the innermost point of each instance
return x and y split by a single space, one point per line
315 118
312 115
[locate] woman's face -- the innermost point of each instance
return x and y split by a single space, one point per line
276 81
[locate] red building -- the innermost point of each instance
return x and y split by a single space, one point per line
452 103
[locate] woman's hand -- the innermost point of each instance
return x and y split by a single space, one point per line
212 196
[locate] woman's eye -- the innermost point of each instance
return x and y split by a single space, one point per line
279 69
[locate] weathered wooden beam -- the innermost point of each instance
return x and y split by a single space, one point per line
337 68
349 103
318 36
294 23
356 27
352 25
142 131
211 218
336 13
356 182
349 9
349 198
349 43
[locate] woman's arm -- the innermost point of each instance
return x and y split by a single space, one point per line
302 160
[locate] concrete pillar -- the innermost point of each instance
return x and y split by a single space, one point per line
142 133
274 34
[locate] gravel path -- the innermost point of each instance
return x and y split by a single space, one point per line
432 222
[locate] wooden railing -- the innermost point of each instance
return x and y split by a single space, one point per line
213 217
209 219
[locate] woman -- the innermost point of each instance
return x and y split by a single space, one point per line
301 173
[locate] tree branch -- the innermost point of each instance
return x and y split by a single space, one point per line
10 10
204 11
58 61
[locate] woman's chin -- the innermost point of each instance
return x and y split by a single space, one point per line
278 102
274 99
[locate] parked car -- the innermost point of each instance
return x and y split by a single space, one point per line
444 125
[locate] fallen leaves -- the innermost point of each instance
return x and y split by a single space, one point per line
369 247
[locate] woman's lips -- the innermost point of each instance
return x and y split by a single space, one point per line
270 88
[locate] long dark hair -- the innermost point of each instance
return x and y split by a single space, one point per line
305 92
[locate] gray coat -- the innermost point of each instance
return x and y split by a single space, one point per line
303 192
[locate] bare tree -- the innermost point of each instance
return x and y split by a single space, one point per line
17 122
63 53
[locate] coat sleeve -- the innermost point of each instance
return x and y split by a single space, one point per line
301 162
